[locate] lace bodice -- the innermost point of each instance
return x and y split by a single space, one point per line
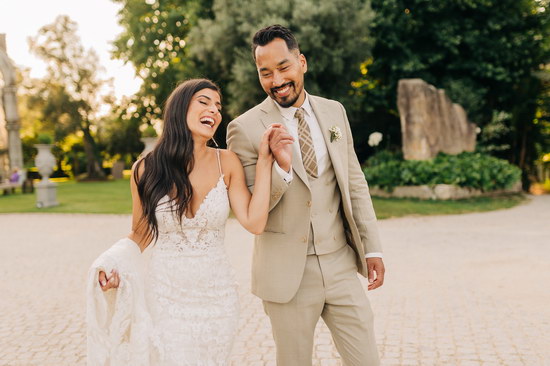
194 235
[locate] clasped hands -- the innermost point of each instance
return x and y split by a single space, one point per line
277 144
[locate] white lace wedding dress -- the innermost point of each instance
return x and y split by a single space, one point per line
190 289
179 310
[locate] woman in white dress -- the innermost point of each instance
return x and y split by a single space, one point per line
182 193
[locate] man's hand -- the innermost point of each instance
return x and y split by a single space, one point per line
375 270
112 282
280 144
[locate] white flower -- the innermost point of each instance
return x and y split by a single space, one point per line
335 133
375 138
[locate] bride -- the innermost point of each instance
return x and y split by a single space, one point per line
182 308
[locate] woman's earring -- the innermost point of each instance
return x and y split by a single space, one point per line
214 141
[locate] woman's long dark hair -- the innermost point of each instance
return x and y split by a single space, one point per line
167 167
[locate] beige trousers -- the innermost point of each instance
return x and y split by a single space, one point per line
329 289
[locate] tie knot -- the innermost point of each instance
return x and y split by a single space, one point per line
299 113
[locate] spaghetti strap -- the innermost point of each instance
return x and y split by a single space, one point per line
219 161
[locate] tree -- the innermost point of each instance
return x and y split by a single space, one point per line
484 53
155 42
169 41
220 47
68 96
121 133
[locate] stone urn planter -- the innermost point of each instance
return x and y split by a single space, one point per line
44 161
150 143
46 191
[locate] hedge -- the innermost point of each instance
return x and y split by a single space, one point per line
468 169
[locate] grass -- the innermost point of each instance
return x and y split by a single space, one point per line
110 197
113 197
397 207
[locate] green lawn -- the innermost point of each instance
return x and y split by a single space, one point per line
110 197
113 197
396 207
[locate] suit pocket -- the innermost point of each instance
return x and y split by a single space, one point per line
275 220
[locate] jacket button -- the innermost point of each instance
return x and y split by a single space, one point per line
304 239
308 203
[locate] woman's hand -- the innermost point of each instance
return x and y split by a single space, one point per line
252 210
280 143
110 283
265 153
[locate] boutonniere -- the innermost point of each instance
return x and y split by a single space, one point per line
335 133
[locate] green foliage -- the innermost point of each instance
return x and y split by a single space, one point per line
492 135
473 170
155 42
149 132
44 138
169 41
482 52
334 48
542 119
486 54
121 134
29 151
67 99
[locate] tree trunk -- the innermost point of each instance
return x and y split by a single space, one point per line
93 165
76 165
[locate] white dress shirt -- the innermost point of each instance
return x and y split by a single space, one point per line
320 147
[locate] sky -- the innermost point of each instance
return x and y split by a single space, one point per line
97 28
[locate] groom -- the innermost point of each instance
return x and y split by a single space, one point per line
321 228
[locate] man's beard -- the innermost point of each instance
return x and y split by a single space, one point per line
287 102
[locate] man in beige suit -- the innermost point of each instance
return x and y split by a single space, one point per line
322 228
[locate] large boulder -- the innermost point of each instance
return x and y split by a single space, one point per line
431 122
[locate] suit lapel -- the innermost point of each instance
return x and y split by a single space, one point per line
272 115
326 119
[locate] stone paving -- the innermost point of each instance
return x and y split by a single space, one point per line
460 290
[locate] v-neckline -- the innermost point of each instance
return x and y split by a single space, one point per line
220 179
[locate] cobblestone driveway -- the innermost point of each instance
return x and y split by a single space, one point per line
460 290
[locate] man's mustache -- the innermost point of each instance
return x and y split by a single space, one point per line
273 90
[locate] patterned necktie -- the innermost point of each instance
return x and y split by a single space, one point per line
306 144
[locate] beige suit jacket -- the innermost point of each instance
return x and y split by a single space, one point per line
279 255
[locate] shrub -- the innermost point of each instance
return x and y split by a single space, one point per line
149 132
474 170
44 138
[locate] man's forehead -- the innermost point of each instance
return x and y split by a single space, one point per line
272 57
276 45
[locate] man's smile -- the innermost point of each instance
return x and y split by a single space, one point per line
283 90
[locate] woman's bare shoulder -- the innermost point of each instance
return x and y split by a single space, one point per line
230 161
140 166
229 157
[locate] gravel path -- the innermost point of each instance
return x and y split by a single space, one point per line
468 289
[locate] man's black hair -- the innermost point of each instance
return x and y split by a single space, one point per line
268 34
